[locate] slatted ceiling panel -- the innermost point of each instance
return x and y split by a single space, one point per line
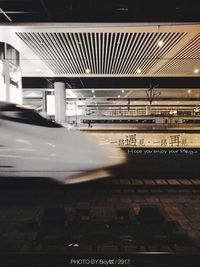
101 52
151 55
87 45
144 52
36 46
125 55
121 47
185 61
191 50
72 59
180 66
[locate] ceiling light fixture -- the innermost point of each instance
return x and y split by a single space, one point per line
122 90
93 91
138 71
119 96
160 43
189 91
87 71
196 71
94 96
41 43
122 8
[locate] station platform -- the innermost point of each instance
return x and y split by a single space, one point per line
138 129
148 226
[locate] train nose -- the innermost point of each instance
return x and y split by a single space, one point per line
89 154
94 159
102 154
85 158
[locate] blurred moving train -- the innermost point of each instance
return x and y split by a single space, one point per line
32 146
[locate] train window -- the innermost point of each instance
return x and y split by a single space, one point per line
192 121
11 107
130 121
20 114
189 121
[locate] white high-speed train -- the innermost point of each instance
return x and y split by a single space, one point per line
32 146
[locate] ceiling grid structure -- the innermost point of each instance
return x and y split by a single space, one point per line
116 51
104 45
187 58
79 53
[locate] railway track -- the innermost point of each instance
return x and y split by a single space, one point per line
42 191
96 227
107 184
148 185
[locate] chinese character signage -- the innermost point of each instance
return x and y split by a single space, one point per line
173 140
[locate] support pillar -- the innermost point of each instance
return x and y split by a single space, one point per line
44 103
10 76
148 110
7 79
60 102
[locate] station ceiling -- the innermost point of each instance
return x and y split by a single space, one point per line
105 50
118 50
105 45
